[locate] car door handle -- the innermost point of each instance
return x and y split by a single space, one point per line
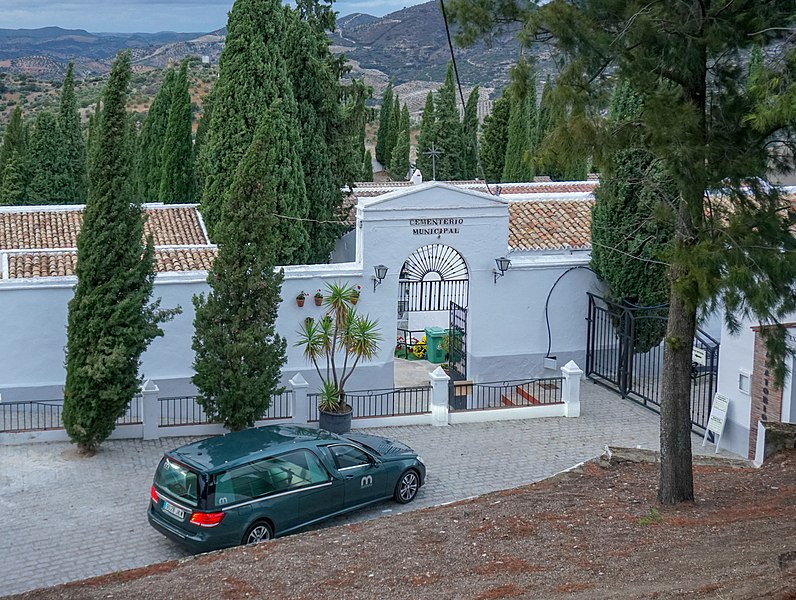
349 476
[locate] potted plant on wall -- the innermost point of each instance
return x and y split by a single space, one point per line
300 297
318 298
340 340
355 294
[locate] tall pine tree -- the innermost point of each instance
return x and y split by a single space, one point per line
238 352
178 180
110 320
74 147
149 157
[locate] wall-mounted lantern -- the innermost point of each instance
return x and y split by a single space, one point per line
381 273
503 265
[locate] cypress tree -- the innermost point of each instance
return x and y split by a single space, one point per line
110 322
514 164
48 165
12 186
450 164
74 148
385 122
314 81
238 352
251 76
520 146
630 218
13 137
545 120
93 135
399 156
470 133
151 141
199 141
393 131
494 139
367 167
426 139
177 182
14 148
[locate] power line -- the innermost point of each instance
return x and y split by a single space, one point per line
461 96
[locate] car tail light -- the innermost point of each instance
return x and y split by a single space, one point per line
207 519
154 495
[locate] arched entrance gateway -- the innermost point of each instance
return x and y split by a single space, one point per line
433 291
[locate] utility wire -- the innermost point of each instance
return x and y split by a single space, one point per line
461 96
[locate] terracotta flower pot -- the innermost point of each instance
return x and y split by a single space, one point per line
318 300
355 299
300 302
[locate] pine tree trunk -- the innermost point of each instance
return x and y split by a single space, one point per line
676 478
676 482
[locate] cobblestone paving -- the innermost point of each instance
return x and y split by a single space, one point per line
67 518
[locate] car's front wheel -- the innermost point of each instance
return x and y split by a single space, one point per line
407 486
258 532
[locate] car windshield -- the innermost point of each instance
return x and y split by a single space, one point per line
178 480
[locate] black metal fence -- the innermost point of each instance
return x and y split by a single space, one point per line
185 410
381 403
510 394
44 415
624 352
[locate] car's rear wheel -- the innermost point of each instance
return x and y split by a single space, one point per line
258 532
407 486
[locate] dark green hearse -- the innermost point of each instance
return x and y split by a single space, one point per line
252 485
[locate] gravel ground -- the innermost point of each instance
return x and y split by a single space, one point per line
596 532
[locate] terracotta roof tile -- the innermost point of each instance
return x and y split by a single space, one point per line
62 264
50 229
550 224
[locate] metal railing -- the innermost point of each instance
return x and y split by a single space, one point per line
511 394
44 415
391 402
31 415
181 410
185 410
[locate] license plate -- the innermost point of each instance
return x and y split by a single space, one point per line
177 512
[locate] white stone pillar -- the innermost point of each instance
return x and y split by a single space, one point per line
299 409
439 397
571 392
150 410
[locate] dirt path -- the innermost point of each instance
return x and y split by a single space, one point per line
594 533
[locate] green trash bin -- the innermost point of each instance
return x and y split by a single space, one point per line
434 351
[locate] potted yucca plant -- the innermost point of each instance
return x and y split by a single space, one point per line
340 340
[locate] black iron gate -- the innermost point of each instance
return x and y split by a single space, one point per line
457 356
623 352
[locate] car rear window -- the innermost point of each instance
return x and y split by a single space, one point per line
178 480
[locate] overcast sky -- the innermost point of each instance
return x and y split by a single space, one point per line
148 15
